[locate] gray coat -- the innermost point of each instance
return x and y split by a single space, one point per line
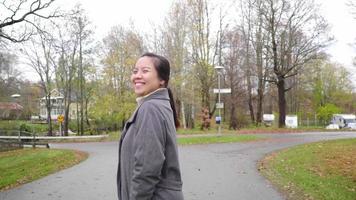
148 157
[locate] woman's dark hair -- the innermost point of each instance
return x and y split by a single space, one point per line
163 70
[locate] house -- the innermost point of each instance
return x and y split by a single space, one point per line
10 110
57 105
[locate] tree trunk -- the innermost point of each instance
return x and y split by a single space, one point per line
66 120
233 117
78 122
183 116
49 119
259 65
259 105
86 111
81 79
250 103
281 102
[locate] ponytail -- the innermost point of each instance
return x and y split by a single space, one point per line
163 69
171 100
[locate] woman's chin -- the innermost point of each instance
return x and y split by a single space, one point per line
139 93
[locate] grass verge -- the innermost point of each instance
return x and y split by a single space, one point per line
217 139
25 165
324 170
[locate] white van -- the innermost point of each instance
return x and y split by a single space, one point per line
268 119
344 120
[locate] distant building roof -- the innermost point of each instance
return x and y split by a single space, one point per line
10 106
55 94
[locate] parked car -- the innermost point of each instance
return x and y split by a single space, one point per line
344 120
332 127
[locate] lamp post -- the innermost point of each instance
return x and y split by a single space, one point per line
16 98
219 118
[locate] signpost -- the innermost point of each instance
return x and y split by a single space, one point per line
220 91
219 105
60 119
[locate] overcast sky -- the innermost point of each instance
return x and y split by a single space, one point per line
106 13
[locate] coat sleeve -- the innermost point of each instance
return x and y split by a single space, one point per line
149 150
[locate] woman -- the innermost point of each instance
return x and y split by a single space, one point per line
148 157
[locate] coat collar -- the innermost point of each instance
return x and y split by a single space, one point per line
161 93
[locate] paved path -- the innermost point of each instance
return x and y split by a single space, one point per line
210 172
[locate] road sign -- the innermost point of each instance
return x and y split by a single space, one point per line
220 105
60 118
223 91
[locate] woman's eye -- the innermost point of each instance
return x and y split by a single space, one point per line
145 71
134 71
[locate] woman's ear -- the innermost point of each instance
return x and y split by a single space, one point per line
162 83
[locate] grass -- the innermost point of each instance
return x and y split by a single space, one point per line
25 165
324 170
205 138
217 139
252 129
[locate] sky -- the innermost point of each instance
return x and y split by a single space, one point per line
104 14
343 27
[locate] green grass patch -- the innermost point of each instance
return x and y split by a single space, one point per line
217 139
252 130
25 165
324 170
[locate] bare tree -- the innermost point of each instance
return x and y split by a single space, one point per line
39 55
297 34
80 27
174 46
9 75
234 62
17 21
261 56
67 48
71 35
249 65
202 50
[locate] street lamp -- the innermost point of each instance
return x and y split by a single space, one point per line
16 99
15 96
219 106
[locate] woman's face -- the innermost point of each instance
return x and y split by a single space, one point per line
144 77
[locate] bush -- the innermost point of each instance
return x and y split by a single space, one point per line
25 127
325 113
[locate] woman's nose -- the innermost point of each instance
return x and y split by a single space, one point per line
138 74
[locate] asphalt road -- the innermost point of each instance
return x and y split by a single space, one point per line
210 172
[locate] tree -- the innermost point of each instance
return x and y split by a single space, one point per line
297 34
113 100
326 112
18 19
82 32
329 83
202 50
9 76
65 69
39 56
234 63
248 55
73 42
174 47
262 58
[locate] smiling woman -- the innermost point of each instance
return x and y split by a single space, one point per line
148 165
